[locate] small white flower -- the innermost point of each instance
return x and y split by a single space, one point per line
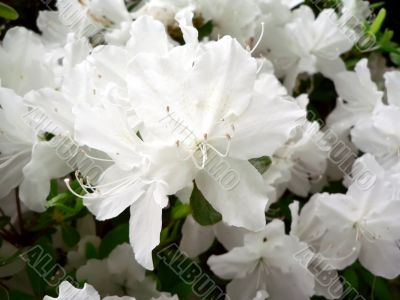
266 263
67 291
118 274
361 224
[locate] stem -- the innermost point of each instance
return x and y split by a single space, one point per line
373 289
20 221
10 223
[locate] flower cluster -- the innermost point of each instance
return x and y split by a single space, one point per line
197 104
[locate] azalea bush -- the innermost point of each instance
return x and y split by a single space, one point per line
199 149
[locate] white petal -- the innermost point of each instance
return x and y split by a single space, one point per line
264 127
108 207
229 236
235 264
122 261
357 87
56 107
107 130
68 291
247 287
196 239
45 165
11 171
381 258
243 201
145 227
147 36
184 18
392 82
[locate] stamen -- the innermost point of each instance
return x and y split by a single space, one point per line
96 158
259 39
66 180
123 183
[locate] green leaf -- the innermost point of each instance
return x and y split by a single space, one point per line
90 251
381 289
180 211
376 5
351 277
386 38
53 188
261 164
39 266
70 235
68 204
377 24
395 58
202 211
115 237
4 220
18 295
205 30
7 12
60 199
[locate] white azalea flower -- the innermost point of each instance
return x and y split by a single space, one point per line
53 31
362 224
90 17
196 239
379 134
307 44
67 291
164 11
265 263
163 162
24 153
230 17
119 274
300 164
220 116
166 296
355 8
358 98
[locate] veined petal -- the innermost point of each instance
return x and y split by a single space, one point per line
392 82
145 226
107 130
126 189
265 126
45 165
236 190
235 264
147 36
195 238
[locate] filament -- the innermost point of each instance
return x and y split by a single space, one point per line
259 39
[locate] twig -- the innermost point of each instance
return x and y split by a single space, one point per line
20 221
373 289
11 225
